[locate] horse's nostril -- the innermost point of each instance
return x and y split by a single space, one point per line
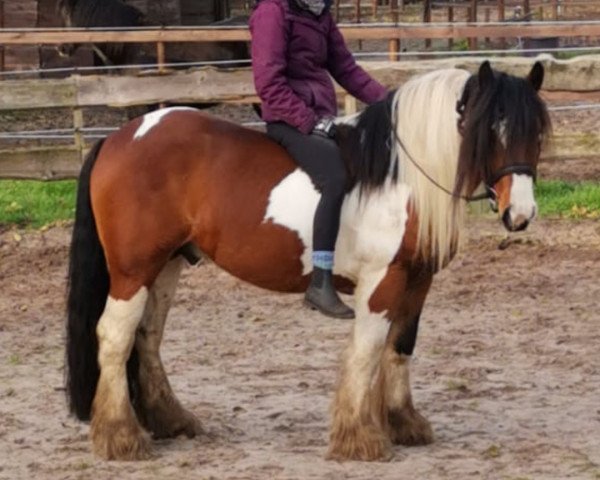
517 224
520 220
522 226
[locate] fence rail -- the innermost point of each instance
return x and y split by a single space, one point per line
576 79
351 32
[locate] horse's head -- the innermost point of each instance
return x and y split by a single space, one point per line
101 13
503 122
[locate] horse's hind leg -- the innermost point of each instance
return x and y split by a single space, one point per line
406 426
159 409
115 431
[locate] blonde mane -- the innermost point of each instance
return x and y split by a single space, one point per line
426 119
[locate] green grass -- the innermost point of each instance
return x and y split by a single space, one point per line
35 204
571 200
572 54
27 203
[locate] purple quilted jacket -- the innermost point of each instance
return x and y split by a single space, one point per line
293 55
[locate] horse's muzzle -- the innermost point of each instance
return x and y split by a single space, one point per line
519 223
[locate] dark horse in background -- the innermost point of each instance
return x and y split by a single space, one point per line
117 14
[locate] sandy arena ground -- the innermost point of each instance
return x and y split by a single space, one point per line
507 364
506 367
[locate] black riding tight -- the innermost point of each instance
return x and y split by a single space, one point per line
320 158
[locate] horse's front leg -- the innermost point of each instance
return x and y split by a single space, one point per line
406 426
115 431
356 433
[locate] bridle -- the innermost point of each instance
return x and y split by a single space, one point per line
490 192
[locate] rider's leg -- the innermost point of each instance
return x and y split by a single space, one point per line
320 158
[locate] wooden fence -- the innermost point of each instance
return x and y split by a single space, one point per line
392 33
572 79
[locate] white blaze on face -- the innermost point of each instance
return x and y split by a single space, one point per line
522 202
502 133
150 120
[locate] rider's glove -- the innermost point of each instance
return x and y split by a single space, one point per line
325 127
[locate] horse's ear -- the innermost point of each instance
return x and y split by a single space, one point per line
485 75
536 76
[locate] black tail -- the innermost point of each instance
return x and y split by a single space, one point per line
88 287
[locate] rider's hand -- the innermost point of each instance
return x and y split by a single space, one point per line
325 127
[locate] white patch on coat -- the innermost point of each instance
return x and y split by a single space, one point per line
117 326
371 229
522 201
116 334
150 120
292 204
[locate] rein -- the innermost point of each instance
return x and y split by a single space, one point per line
490 193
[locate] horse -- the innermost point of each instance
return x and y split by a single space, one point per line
117 14
102 13
177 185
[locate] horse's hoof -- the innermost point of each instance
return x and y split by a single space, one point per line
171 424
359 442
409 428
120 441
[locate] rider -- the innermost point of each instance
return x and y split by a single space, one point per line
296 45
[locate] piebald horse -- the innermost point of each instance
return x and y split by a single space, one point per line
177 183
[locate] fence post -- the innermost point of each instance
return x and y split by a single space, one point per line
526 8
555 10
350 105
394 50
358 20
160 61
450 20
501 18
472 19
487 20
160 56
1 27
78 132
394 44
427 19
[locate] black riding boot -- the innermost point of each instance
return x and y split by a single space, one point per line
322 296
